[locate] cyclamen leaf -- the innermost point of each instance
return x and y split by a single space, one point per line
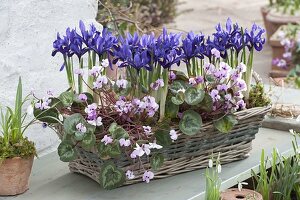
67 98
110 176
226 123
193 96
190 123
207 103
49 116
171 109
157 160
71 122
88 140
119 133
178 99
162 137
178 85
66 152
113 126
109 151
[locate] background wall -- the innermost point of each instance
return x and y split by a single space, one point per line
27 31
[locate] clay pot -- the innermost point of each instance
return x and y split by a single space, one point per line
275 19
264 11
245 194
277 52
14 175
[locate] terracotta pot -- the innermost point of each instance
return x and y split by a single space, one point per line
245 194
14 175
264 11
277 52
275 19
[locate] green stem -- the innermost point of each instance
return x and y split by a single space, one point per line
163 96
79 77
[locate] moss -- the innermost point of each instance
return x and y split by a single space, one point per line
258 97
24 149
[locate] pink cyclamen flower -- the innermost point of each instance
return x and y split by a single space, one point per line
172 75
215 95
122 83
124 142
241 85
151 105
173 135
215 52
130 175
147 130
192 81
105 63
96 122
82 97
241 104
224 66
228 97
50 93
43 104
236 74
287 55
79 72
101 80
81 128
199 79
91 110
157 84
137 152
222 87
107 140
147 176
155 146
241 68
209 68
95 71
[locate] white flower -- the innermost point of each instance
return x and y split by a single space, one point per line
192 81
29 110
105 63
154 146
107 140
124 142
147 176
122 83
219 168
96 122
95 71
138 151
79 72
81 128
147 130
210 163
240 185
129 174
292 131
60 117
173 135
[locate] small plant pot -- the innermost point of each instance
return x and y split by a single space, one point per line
264 11
14 175
276 19
244 194
277 52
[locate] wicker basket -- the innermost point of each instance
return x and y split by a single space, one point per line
188 153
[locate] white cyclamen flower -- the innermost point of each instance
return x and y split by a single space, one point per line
129 174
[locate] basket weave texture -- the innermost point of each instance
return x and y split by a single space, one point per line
186 154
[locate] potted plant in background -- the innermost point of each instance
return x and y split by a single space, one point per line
150 117
280 12
16 151
286 55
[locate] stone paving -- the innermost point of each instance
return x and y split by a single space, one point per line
203 15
